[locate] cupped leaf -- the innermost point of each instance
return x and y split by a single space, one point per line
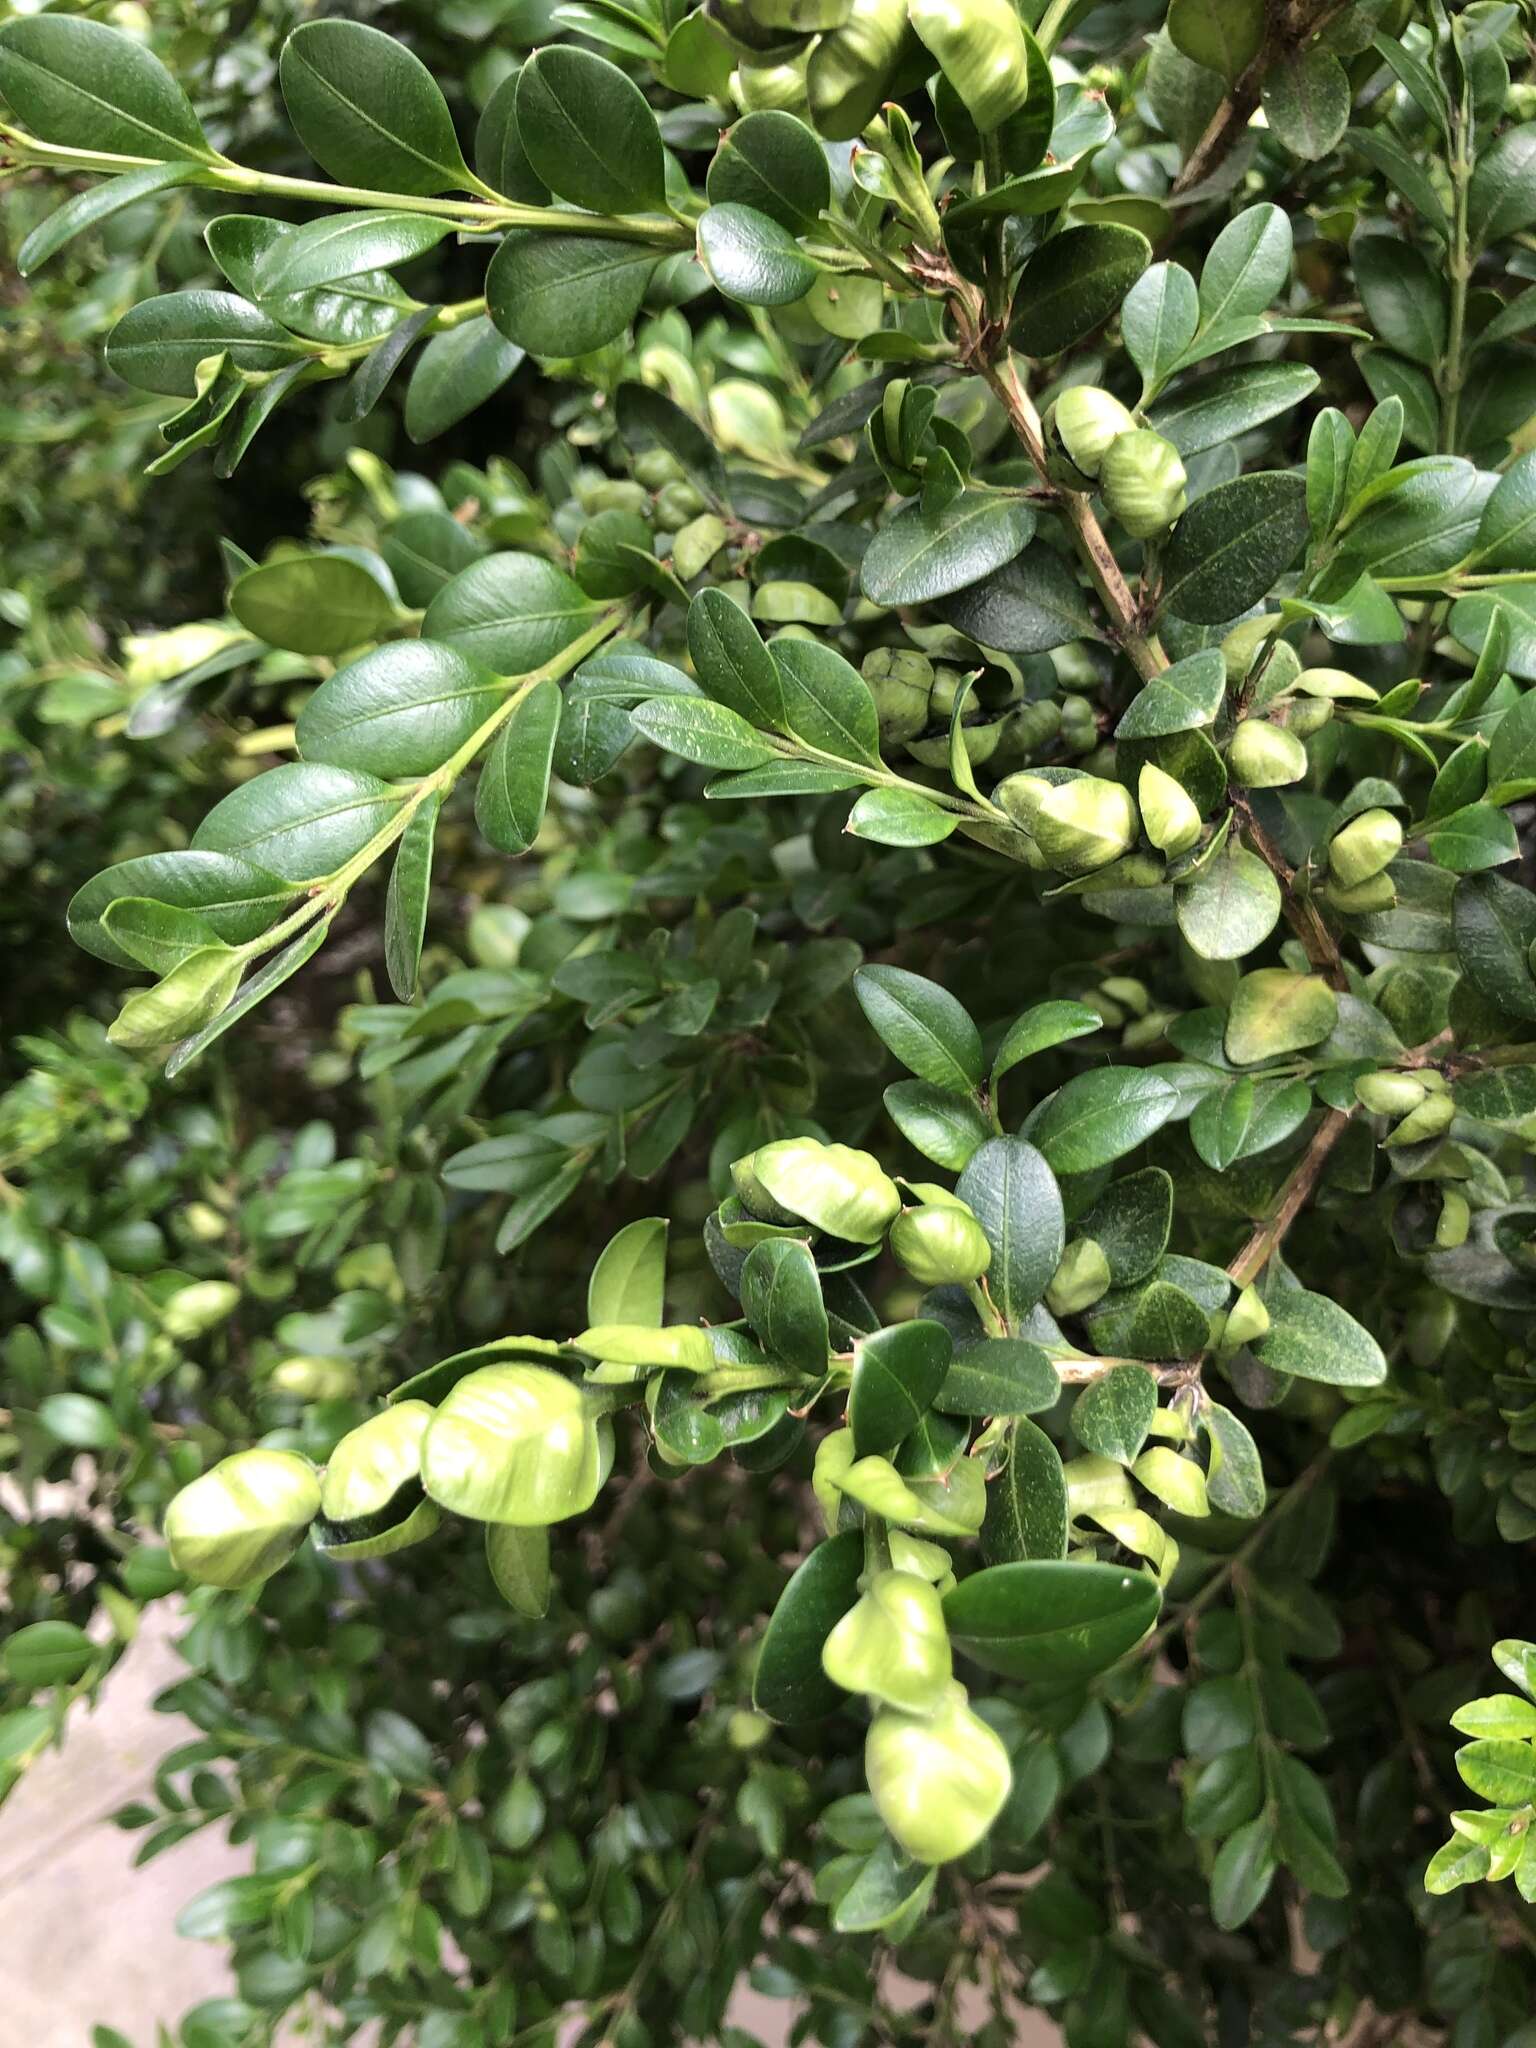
158 344
237 898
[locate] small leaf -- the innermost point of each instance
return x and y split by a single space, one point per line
1049 1620
752 258
928 1030
589 132
1312 1338
1098 1117
369 111
405 905
1112 1416
919 556
1072 284
1232 544
514 784
896 1374
1014 1196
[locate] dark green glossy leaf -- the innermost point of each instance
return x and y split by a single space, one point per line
789 1684
1098 1117
1028 1514
1049 1620
369 111
896 1374
1073 283
589 133
1232 544
87 86
512 613
781 1293
928 1030
998 1376
514 784
1014 1196
566 295
920 556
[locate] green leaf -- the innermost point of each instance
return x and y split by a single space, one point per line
649 419
157 935
1072 284
928 1030
589 133
1013 1194
313 604
500 158
400 711
405 903
512 613
1405 300
789 1684
701 731
781 1293
1274 1011
1047 1620
1502 1772
369 111
79 1420
1235 1478
1098 1117
1159 320
1500 1717
566 295
919 556
1130 1223
752 258
1242 1873
1217 409
1030 605
1312 1338
1039 1028
1223 35
1028 1513
302 820
1456 1862
1248 265
944 1127
454 375
1506 532
629 1281
1111 1416
236 898
1220 1123
1501 198
1232 544
47 1653
1329 448
158 344
1403 173
1187 695
97 203
899 817
889 1892
998 1376
775 164
514 783
896 1374
519 1565
1156 1320
1501 1095
84 85
1476 837
339 245
1494 923
827 703
1306 100
1231 906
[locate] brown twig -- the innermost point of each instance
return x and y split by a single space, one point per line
1293 1198
1301 913
1290 23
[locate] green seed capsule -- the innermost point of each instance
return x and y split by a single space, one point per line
901 681
1079 1280
194 1311
1365 846
834 1187
1379 893
938 1780
941 1244
1084 824
892 1645
1086 422
1265 756
851 68
243 1520
1247 1321
1143 482
806 16
371 1501
1095 1482
515 1444
979 46
1170 816
315 1379
1390 1094
1434 1115
1454 1221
